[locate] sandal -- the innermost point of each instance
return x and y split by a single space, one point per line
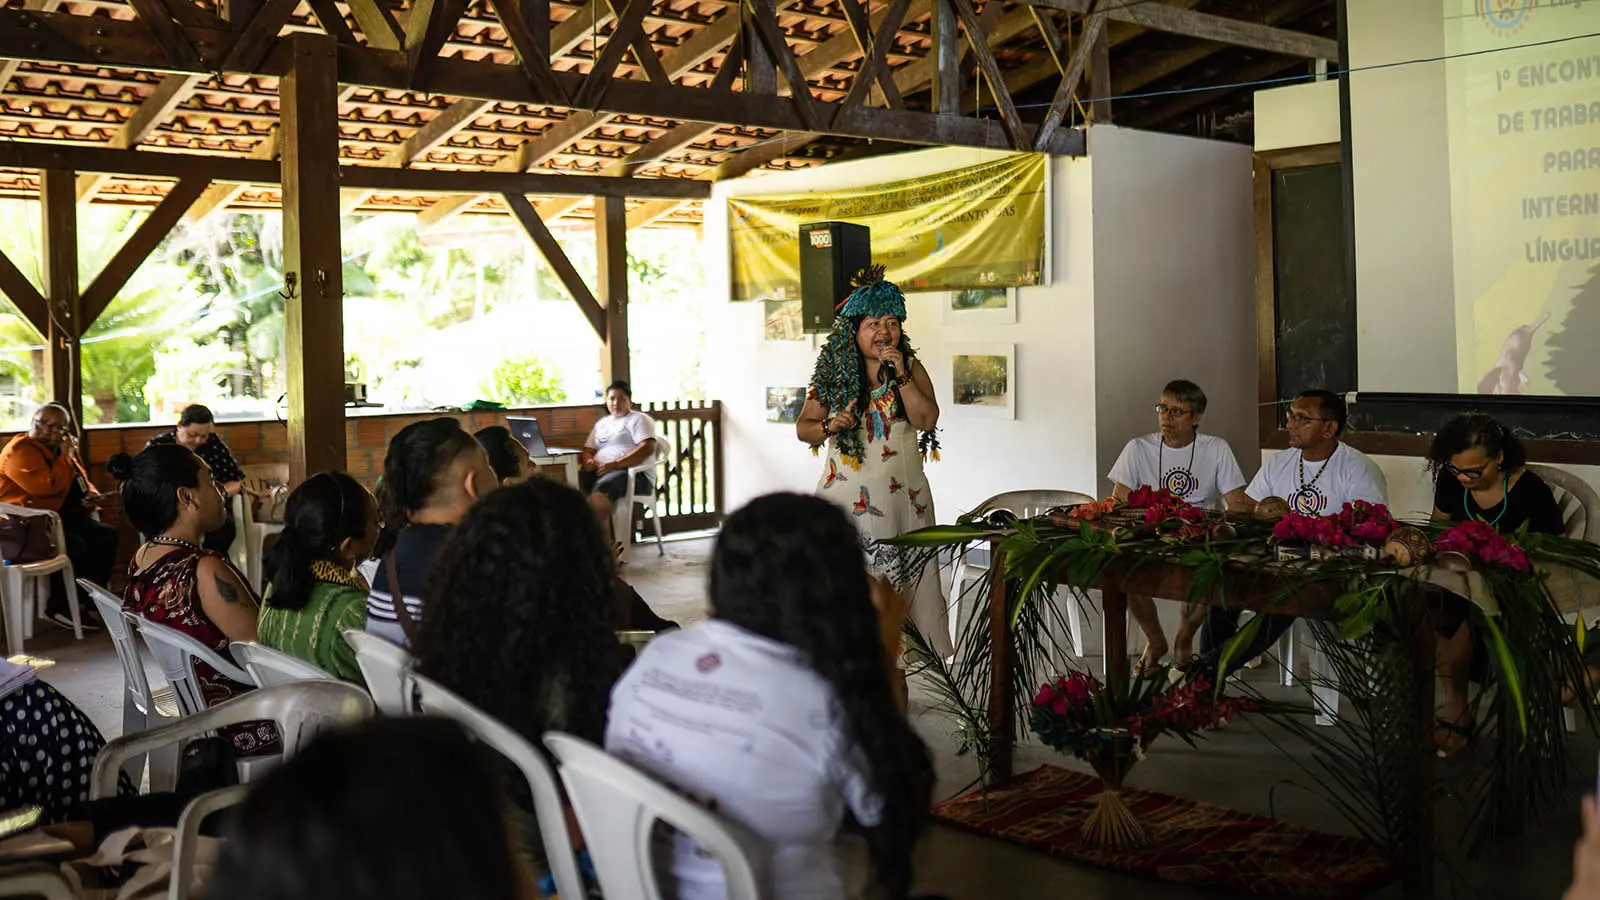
1452 730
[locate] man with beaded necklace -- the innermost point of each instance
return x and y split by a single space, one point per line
1316 476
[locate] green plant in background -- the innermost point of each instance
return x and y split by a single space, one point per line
523 381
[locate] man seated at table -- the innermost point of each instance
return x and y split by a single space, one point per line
619 441
42 469
197 430
1316 476
1198 468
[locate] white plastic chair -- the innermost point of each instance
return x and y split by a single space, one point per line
622 517
435 699
250 537
20 583
1024 505
618 806
268 666
185 848
176 654
386 668
35 880
300 710
1580 505
142 707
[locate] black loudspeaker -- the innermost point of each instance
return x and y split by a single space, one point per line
831 253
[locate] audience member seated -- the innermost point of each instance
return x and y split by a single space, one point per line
1200 469
519 616
393 809
1480 473
329 527
433 473
1342 474
507 457
1586 857
197 430
48 747
779 712
168 494
619 441
43 469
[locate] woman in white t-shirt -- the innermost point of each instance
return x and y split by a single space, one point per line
1200 469
778 712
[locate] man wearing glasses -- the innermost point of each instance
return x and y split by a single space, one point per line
42 470
1199 468
1317 476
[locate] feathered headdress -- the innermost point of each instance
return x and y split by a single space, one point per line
840 377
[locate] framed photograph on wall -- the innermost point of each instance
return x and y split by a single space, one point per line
784 403
983 380
783 322
981 306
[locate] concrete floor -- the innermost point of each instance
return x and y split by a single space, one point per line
1234 767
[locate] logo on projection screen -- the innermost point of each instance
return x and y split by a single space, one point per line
1504 17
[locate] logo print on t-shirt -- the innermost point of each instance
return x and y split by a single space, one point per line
1308 501
707 664
1179 481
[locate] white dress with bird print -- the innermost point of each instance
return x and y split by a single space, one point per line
887 497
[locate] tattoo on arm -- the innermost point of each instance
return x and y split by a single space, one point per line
226 591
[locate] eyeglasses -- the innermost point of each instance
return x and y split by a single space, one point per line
1177 412
48 428
1301 419
1474 474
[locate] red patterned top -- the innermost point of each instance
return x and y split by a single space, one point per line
167 592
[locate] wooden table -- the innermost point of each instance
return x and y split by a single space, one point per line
1246 588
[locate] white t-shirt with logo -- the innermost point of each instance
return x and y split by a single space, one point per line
743 725
1345 477
1201 473
614 437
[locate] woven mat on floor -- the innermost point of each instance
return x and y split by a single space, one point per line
1191 843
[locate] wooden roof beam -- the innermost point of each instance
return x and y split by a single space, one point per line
646 213
8 67
1187 22
169 94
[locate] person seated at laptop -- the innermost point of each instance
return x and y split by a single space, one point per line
618 442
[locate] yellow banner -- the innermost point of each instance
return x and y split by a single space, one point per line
977 227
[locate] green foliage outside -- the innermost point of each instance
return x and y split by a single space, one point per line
523 382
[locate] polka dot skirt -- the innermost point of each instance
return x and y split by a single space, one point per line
47 751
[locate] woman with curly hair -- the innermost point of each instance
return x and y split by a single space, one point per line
519 619
872 402
779 713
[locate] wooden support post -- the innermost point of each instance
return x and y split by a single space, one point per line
611 251
59 198
1100 78
314 312
761 69
946 57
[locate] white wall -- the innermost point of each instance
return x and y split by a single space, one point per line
1405 275
1174 289
1176 216
1297 115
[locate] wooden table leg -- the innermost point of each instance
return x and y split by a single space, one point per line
1002 725
1114 603
1417 876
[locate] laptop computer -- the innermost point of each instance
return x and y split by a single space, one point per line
527 433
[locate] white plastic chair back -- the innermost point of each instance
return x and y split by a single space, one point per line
20 583
185 849
142 706
35 880
436 700
176 653
387 670
300 710
1580 505
268 666
250 539
618 806
622 517
1026 504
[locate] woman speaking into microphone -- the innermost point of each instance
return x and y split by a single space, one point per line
871 403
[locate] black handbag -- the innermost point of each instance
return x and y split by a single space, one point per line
27 539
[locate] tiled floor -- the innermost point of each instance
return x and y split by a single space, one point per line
1236 767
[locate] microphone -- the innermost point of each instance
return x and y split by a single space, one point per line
886 372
